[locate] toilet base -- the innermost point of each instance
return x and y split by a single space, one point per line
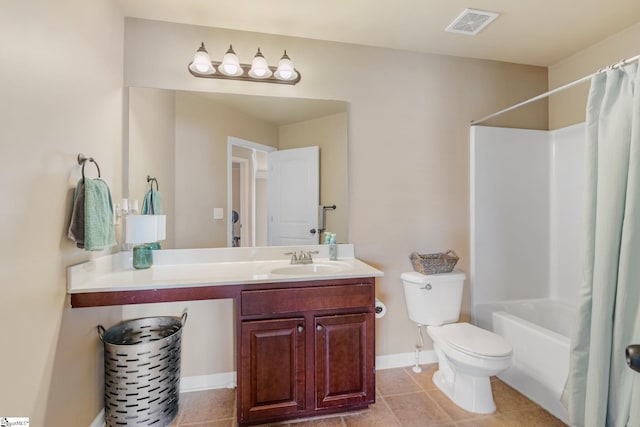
471 393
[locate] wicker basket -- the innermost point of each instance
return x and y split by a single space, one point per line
434 263
142 371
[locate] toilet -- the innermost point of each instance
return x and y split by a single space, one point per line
467 355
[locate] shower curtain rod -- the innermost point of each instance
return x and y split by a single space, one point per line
558 89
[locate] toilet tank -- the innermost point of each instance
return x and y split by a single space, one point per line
433 299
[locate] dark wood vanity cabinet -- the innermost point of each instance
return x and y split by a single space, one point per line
272 368
343 372
305 349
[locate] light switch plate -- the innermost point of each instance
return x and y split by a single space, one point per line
218 213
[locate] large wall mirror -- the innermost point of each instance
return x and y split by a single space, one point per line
209 153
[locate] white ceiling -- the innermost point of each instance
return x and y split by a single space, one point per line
535 32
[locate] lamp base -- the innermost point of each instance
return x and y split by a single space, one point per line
142 257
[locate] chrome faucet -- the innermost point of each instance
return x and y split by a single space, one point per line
303 258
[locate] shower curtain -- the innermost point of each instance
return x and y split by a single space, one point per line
601 390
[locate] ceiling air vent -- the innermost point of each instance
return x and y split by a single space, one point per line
471 22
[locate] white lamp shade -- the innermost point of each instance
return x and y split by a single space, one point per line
285 69
142 229
162 227
202 62
259 67
230 64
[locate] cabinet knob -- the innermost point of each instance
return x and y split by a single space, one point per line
300 329
319 327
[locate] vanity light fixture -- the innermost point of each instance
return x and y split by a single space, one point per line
230 64
231 68
202 62
285 69
259 67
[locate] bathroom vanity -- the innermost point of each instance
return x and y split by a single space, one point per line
305 333
305 349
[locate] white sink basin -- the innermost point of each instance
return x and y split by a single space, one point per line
310 269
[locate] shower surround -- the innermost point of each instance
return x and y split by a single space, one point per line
527 248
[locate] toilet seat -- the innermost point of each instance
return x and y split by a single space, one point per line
474 341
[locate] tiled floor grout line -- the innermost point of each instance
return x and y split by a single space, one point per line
471 416
402 393
403 390
444 411
413 378
425 391
294 422
197 423
395 417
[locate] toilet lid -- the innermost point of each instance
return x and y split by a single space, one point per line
473 340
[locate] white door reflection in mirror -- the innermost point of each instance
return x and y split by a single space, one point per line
241 184
247 178
293 196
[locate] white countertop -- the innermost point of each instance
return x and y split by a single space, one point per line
181 268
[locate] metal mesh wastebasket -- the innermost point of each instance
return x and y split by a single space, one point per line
142 371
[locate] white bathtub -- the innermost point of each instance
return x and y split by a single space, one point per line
540 332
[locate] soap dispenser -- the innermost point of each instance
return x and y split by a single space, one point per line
333 247
327 237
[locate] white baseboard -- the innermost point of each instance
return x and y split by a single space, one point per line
208 382
400 360
228 379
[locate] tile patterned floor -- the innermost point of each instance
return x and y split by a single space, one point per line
403 399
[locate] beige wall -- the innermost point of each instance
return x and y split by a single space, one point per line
202 129
408 134
330 134
61 86
150 144
408 166
568 107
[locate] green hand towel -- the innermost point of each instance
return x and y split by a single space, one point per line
152 203
99 231
76 226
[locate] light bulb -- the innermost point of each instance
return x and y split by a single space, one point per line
259 67
285 69
230 68
201 61
230 63
286 74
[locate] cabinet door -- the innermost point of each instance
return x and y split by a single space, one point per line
344 360
272 371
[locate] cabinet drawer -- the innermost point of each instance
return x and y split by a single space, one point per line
272 301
